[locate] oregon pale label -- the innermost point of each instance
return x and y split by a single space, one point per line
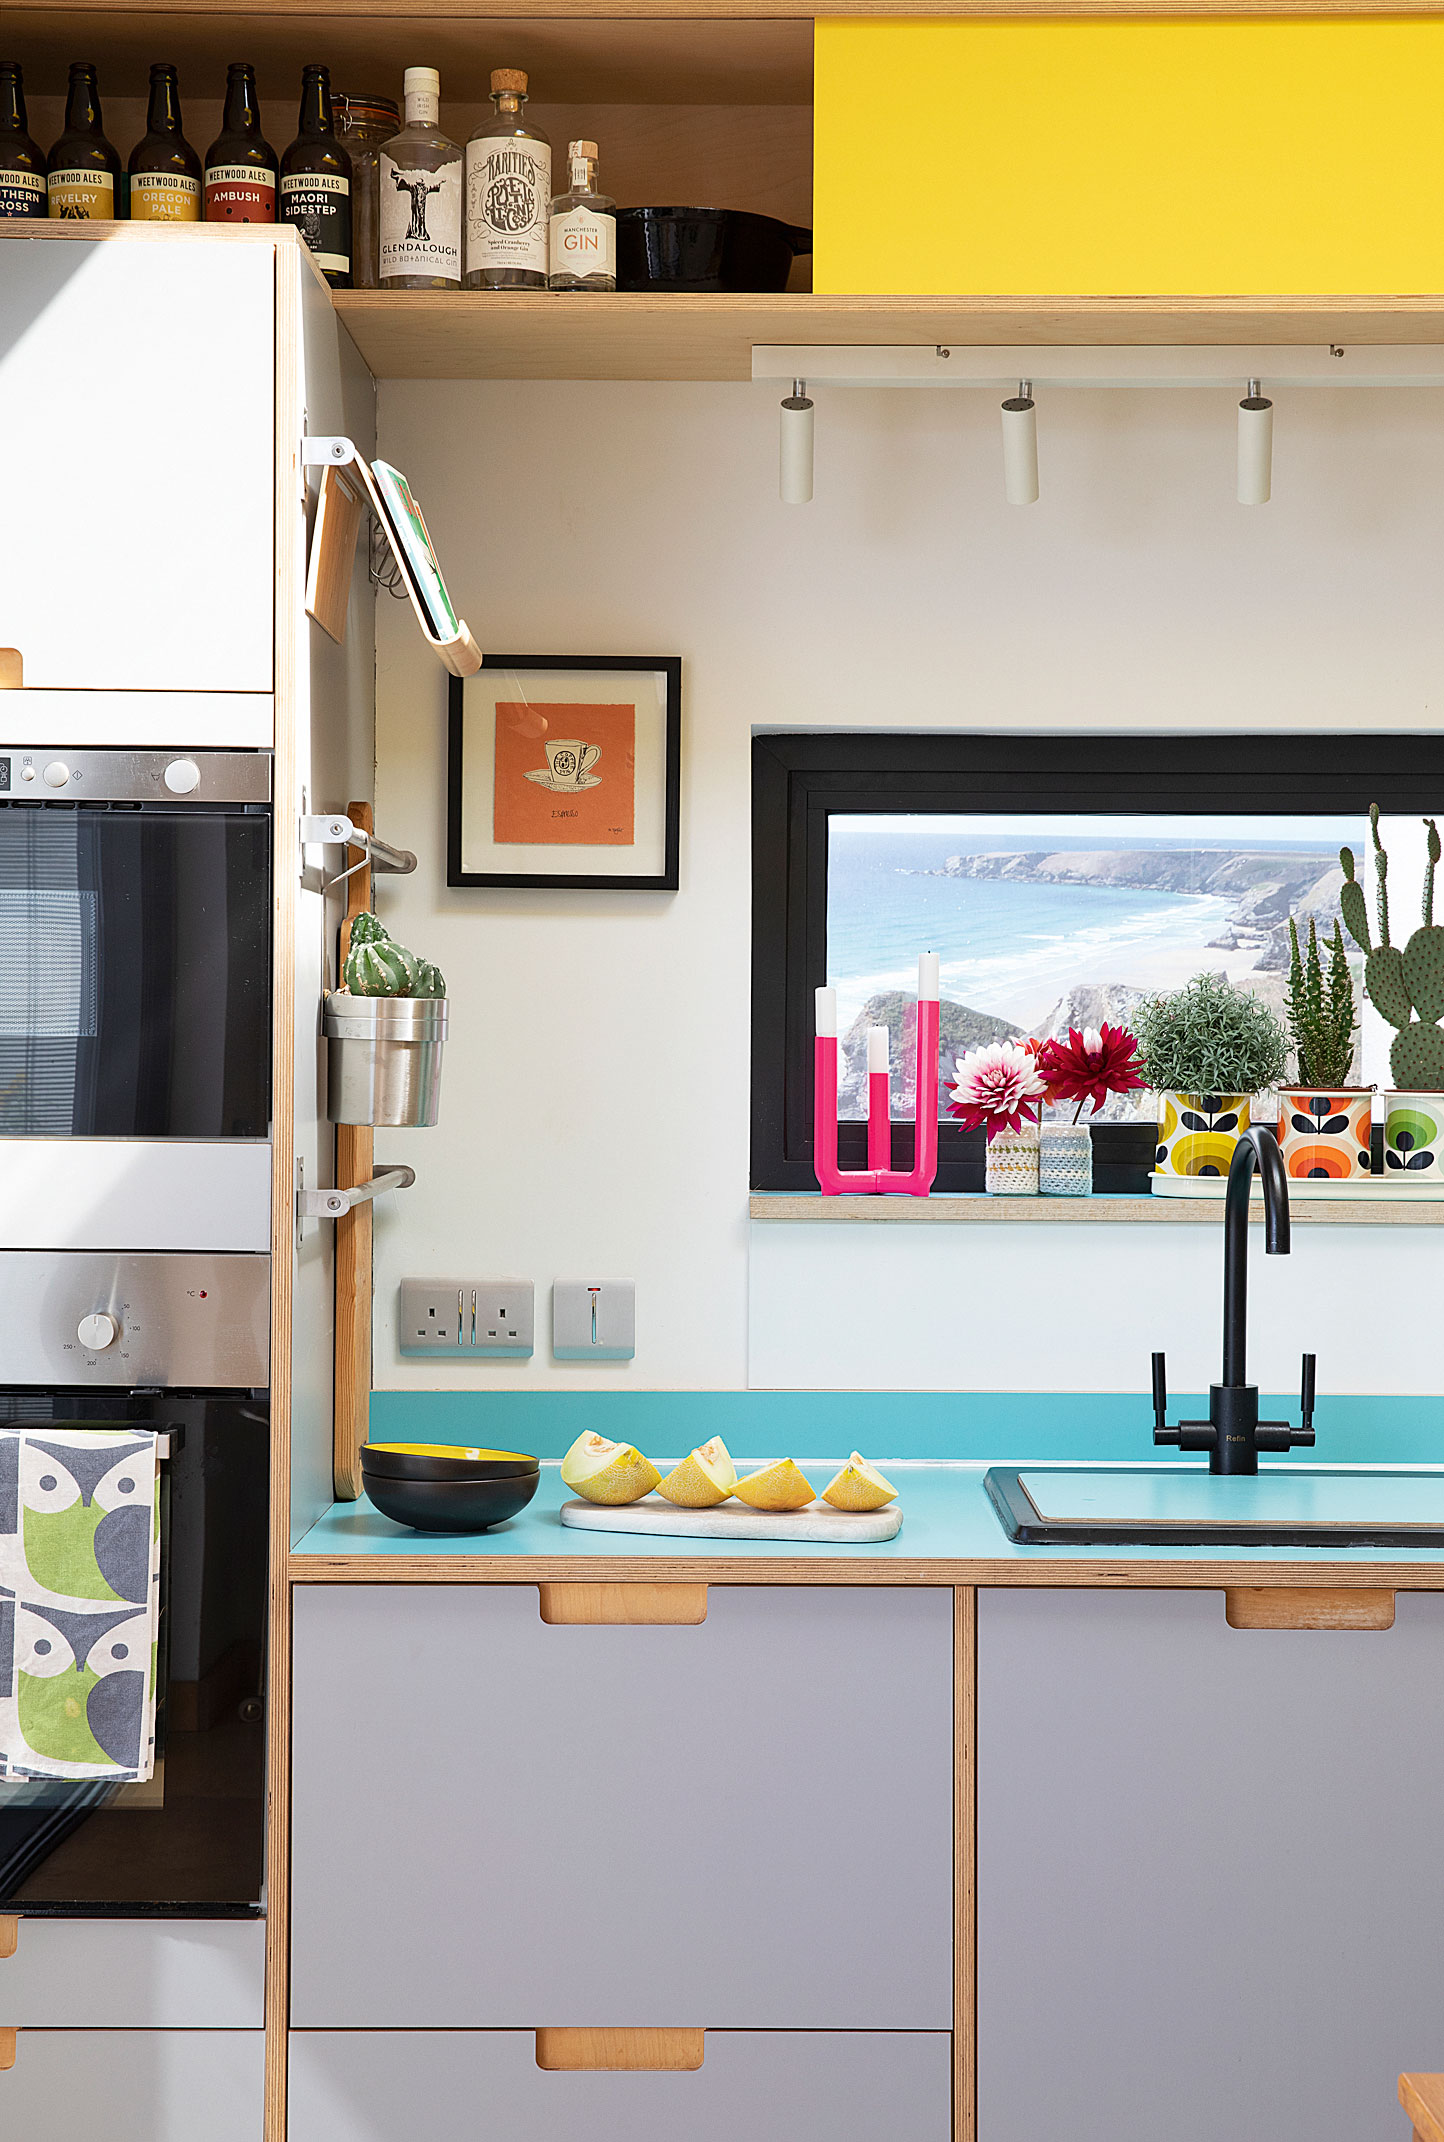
82 195
240 193
22 193
508 197
319 204
583 243
421 220
164 197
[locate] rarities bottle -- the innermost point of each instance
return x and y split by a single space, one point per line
316 182
165 171
22 165
421 195
508 193
583 228
83 176
240 185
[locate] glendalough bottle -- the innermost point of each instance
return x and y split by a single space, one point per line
22 167
583 228
83 179
508 194
421 195
240 163
316 182
165 171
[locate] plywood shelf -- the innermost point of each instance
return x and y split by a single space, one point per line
979 1209
539 335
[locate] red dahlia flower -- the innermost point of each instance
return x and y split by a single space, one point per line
1091 1065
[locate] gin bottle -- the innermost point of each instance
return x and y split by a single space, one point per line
508 193
583 228
421 195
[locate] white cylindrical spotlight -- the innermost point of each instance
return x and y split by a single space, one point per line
1255 447
794 467
1020 447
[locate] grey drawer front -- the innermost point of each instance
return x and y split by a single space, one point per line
135 1974
765 2086
135 2086
747 1824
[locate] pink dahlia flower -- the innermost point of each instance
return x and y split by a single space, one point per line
997 1088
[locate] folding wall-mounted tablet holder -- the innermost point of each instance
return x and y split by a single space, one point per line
460 655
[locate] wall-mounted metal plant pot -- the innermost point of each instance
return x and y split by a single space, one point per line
1197 1132
384 1059
1324 1131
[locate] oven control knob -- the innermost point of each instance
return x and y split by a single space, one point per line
96 1332
181 776
57 773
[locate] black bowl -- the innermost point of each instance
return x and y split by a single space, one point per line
705 249
450 1505
444 1461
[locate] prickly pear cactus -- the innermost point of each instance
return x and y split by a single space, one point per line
1417 1059
430 981
367 929
373 969
1402 984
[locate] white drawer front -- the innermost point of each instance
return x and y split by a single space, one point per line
135 2086
135 1974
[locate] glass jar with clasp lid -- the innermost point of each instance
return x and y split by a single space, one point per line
362 124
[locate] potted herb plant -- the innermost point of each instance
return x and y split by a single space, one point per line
998 1090
1088 1066
1324 1122
1208 1051
1406 986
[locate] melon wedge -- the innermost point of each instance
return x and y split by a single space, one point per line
703 1480
776 1487
859 1486
608 1472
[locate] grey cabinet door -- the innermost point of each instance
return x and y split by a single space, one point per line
747 1824
1211 1870
135 2086
141 1974
766 2086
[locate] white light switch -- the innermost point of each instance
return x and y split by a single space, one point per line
594 1319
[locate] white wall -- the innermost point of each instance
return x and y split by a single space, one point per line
595 1100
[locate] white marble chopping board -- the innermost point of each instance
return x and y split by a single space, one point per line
818 1522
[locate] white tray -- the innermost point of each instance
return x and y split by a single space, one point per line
734 1521
1360 1191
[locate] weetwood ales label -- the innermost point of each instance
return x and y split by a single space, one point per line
165 197
82 195
421 220
240 193
508 197
22 193
319 204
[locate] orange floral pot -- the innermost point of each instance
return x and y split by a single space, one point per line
1324 1131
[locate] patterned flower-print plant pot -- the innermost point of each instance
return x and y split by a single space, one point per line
1325 1132
1065 1160
1197 1132
1013 1164
1414 1135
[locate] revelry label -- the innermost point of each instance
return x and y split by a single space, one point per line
240 193
421 221
508 196
82 195
164 197
319 204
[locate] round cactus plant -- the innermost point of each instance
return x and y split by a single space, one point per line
430 981
378 968
368 929
1402 983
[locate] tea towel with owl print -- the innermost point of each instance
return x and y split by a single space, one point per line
79 1603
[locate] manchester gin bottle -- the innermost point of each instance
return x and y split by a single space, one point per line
583 228
421 195
508 193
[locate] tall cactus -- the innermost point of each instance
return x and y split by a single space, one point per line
1401 984
1320 1008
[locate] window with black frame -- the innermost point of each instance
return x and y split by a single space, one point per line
1060 880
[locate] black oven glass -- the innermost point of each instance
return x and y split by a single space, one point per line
191 1841
135 972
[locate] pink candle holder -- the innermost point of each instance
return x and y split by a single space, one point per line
878 1176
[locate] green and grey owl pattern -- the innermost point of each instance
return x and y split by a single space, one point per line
79 1603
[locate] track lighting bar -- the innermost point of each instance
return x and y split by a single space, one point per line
1000 369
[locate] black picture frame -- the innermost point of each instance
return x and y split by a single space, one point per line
799 781
665 880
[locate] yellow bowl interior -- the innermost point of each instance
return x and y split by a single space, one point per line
447 1450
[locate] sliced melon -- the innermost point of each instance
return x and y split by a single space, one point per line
608 1472
776 1487
703 1480
859 1486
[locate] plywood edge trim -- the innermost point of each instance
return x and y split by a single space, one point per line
1422 2097
639 1605
862 1569
1269 1606
670 2051
9 1935
7 2050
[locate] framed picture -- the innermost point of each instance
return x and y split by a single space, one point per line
566 770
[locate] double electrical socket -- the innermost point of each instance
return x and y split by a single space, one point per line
468 1317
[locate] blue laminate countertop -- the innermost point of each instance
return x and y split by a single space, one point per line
950 1535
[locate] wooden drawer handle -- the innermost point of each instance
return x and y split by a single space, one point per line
1272 1606
12 670
9 1936
624 1605
596 2052
7 2049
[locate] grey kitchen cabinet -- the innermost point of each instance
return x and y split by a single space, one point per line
1210 1869
137 1974
769 2086
500 1823
135 2086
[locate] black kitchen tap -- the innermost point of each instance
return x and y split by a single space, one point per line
1233 1435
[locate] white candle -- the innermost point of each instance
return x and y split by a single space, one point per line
827 1013
876 1049
928 985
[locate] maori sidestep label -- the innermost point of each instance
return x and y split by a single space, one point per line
22 193
165 197
240 193
421 220
319 204
508 199
82 196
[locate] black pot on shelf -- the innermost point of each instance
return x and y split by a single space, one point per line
705 249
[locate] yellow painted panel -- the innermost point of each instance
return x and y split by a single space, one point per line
1129 157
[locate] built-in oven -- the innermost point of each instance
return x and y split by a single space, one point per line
98 1351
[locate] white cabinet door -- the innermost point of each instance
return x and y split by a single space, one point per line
143 1974
137 408
1211 1870
752 2086
135 2086
743 1825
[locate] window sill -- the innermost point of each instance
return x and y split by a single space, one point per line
978 1207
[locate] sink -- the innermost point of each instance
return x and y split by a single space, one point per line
1186 1505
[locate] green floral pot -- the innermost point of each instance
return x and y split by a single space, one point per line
1414 1135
